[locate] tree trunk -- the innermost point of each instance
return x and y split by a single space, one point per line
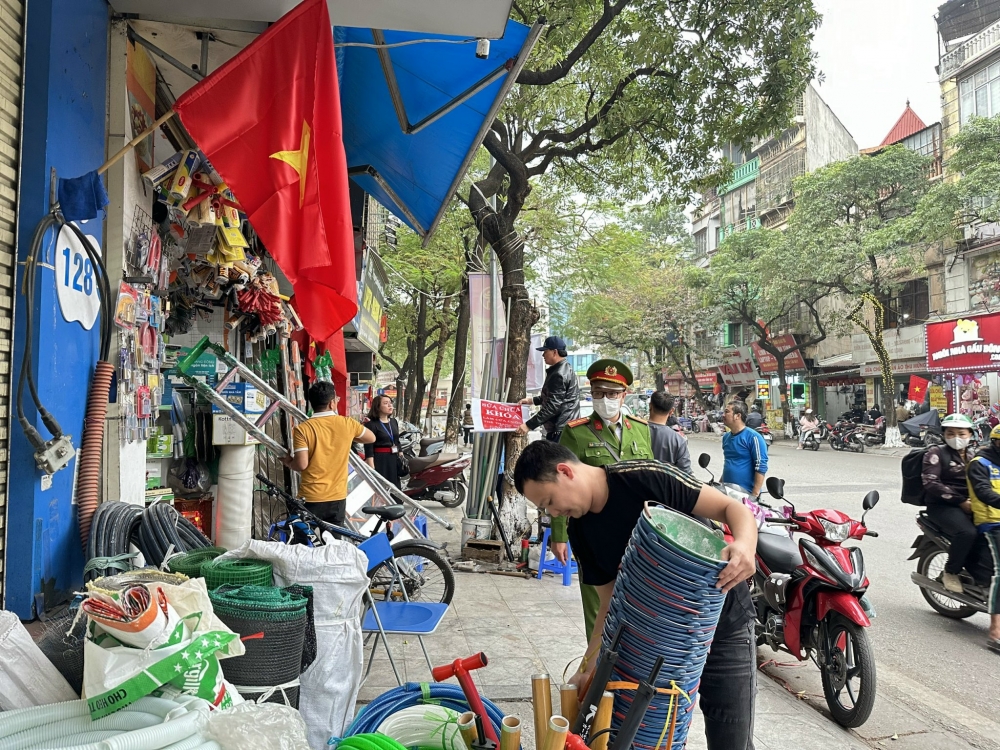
418 380
457 396
443 335
786 411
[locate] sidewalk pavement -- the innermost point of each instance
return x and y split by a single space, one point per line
527 626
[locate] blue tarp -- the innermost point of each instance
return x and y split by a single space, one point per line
419 167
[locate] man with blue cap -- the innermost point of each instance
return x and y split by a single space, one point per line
560 397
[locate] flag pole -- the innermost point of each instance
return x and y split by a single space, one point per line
135 142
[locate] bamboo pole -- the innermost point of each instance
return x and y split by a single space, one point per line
569 704
602 721
510 733
555 739
467 727
541 699
135 142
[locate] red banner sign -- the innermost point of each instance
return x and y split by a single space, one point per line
965 345
706 378
493 416
769 363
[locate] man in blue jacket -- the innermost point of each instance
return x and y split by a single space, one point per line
744 450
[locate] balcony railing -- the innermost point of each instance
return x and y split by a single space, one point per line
983 42
744 173
745 225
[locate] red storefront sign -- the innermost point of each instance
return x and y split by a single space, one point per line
969 344
768 363
706 379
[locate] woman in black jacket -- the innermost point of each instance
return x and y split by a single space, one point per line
383 454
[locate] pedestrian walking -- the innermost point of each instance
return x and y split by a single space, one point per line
560 397
383 454
669 446
321 447
467 424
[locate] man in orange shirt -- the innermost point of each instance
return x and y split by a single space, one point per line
320 449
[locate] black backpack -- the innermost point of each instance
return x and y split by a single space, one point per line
913 484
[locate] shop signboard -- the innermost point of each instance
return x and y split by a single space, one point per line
938 399
706 379
768 363
969 344
494 416
764 390
371 309
874 369
900 343
737 367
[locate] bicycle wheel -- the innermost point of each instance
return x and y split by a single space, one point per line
424 574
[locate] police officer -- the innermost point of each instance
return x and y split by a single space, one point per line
605 437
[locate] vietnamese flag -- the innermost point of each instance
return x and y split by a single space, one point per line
918 389
269 122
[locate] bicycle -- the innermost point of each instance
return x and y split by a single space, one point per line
417 572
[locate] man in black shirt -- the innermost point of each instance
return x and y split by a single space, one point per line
603 504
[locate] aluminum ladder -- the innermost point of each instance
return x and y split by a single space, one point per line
383 489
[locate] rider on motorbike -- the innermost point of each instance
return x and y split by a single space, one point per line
807 423
947 492
984 496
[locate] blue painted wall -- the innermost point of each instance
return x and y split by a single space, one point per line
65 114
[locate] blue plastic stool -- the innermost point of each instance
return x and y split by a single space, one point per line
567 569
421 523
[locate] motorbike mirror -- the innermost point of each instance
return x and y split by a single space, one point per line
870 500
704 460
776 487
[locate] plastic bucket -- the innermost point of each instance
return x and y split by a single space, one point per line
475 528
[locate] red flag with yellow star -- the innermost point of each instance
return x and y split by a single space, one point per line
269 122
918 388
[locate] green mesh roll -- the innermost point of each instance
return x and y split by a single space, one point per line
219 572
259 602
189 563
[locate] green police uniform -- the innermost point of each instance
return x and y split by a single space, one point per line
596 444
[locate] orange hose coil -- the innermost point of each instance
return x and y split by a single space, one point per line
88 482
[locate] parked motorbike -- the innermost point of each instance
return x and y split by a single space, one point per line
844 437
765 431
872 434
438 476
810 601
930 550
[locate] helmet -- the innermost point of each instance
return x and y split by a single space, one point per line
957 420
809 411
995 433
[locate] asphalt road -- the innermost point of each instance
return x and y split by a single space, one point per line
935 676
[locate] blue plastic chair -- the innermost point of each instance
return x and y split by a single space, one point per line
401 618
567 569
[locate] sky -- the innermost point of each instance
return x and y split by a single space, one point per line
876 54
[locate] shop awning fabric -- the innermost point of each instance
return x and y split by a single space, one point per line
415 114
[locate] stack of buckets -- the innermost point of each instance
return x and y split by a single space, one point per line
667 598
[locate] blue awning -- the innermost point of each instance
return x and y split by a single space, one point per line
414 115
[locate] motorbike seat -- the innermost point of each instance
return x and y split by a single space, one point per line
929 526
424 442
385 512
426 462
779 552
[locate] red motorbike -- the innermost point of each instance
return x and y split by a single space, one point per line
439 476
810 601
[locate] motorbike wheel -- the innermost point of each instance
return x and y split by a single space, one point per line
837 445
424 574
849 672
695 427
857 446
458 487
931 565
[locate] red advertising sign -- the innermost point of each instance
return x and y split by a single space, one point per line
706 378
965 345
768 363
737 367
493 416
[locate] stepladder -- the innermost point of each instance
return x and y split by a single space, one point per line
382 492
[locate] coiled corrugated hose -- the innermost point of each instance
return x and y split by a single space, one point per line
665 595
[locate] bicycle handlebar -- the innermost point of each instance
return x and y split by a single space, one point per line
297 506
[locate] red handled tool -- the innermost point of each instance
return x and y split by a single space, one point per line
461 669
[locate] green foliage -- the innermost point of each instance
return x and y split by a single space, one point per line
973 196
852 228
624 96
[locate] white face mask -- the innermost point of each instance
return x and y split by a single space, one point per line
607 408
958 443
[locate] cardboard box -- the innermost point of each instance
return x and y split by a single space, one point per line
225 431
245 397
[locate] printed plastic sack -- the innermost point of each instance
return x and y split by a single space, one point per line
154 637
